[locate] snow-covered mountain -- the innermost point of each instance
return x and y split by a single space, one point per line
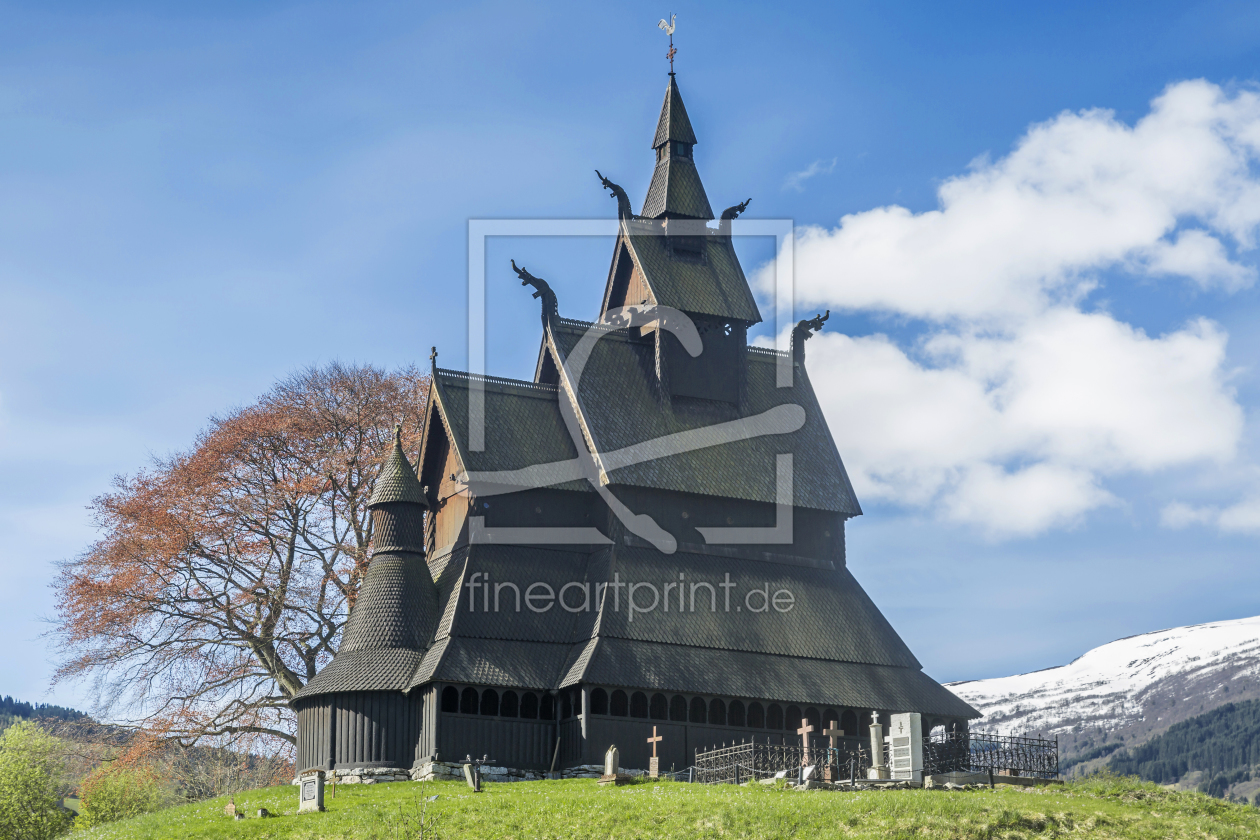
1126 691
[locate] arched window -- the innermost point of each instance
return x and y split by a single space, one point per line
717 712
697 710
828 716
510 705
848 722
599 702
529 705
756 716
468 701
450 699
566 706
489 702
735 713
938 731
547 708
774 716
678 707
638 705
660 707
792 719
811 715
619 705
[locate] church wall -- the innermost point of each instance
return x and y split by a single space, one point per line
451 520
315 719
522 744
375 729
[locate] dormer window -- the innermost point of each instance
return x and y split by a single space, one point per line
682 150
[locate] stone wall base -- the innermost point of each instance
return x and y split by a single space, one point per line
454 771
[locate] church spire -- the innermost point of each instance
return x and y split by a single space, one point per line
676 191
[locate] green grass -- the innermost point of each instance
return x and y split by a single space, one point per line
1103 807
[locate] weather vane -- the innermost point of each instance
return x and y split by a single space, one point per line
668 26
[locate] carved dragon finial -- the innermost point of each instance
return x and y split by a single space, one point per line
550 305
623 200
803 331
729 214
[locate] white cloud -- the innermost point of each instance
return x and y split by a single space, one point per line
1016 403
796 181
1243 517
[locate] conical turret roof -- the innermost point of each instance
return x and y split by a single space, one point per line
676 190
397 481
674 123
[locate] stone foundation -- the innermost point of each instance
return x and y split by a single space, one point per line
442 771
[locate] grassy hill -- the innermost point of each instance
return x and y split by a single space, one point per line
1099 807
1219 750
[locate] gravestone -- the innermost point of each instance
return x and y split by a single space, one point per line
906 741
311 791
654 763
612 768
831 767
878 769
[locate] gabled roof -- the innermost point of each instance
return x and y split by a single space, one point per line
523 426
712 285
621 408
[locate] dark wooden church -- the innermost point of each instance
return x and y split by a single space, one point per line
694 576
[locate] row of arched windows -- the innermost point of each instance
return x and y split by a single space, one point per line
717 712
534 706
525 704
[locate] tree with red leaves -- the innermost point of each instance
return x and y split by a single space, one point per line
224 574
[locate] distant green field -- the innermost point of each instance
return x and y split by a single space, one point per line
1103 808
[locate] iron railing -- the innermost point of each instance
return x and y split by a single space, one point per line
976 752
967 752
752 761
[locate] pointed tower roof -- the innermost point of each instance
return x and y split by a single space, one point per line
674 123
676 190
397 481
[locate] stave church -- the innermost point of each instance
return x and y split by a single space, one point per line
647 538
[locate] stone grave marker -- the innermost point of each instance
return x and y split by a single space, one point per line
612 768
878 769
311 791
906 740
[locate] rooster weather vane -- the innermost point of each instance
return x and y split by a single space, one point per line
668 27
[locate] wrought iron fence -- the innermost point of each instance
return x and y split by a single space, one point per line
752 761
976 752
968 752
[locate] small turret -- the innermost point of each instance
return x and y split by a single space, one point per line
676 191
391 623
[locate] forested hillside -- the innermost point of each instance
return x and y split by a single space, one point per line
1223 745
11 710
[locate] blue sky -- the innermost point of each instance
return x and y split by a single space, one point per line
197 200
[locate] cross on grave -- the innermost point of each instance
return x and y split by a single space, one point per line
654 765
804 733
835 733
